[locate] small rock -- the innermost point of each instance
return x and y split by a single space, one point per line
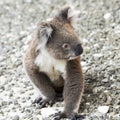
105 80
16 117
46 112
2 80
103 109
107 16
83 63
97 55
87 49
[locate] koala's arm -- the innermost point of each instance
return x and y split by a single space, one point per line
39 79
74 87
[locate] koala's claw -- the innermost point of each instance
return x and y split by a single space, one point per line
43 102
60 115
77 117
37 100
57 116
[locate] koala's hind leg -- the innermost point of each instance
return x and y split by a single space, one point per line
42 83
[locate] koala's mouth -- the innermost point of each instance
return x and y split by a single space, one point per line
73 57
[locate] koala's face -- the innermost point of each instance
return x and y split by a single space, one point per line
61 40
64 43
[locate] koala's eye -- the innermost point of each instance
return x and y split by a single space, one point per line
66 46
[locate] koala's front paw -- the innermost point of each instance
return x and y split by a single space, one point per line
77 117
73 116
36 100
43 102
59 115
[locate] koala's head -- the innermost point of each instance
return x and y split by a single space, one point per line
59 38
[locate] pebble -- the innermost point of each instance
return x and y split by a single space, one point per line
47 112
87 49
16 117
2 80
107 16
97 55
83 63
103 109
105 80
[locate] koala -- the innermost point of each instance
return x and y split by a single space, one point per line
52 63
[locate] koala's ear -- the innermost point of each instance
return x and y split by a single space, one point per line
45 31
66 14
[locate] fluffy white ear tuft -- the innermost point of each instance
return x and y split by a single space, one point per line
45 32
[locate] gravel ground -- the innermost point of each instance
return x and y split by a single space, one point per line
98 25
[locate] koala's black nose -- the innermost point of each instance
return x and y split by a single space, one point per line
78 50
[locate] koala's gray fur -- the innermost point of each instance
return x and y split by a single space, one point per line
53 62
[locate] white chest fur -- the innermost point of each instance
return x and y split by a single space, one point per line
51 66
